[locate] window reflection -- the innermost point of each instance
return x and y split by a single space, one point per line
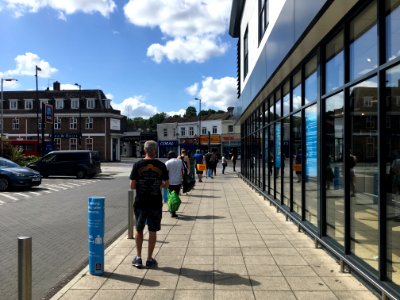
285 161
311 164
334 168
393 29
297 162
334 63
364 181
278 160
311 81
297 91
364 40
392 172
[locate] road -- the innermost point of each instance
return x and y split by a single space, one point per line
55 216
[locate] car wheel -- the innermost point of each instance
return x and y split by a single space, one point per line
4 184
80 174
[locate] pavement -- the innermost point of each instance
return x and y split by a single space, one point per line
227 243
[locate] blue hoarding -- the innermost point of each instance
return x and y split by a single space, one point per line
96 235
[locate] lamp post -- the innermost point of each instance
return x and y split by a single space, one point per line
199 118
37 107
2 109
80 117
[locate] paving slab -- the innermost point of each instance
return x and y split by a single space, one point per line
227 243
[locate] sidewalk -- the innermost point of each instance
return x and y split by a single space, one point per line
228 243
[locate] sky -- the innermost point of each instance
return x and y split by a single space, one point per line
148 56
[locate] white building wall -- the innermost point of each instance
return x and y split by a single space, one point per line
250 21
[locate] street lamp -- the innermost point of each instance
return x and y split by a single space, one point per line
80 117
199 118
37 106
2 105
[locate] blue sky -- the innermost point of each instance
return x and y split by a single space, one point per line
148 56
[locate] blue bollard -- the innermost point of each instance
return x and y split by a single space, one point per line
96 235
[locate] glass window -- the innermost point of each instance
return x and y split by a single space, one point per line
278 105
15 124
57 123
89 143
75 103
278 161
285 161
286 99
73 123
262 17
311 163
57 143
392 29
245 53
334 68
14 104
89 123
363 42
59 103
297 133
230 128
311 81
73 145
363 172
297 103
334 168
191 131
214 130
271 163
203 130
165 132
29 104
393 173
90 103
183 131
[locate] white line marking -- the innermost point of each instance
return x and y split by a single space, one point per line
23 195
48 192
58 186
9 197
1 202
36 193
52 189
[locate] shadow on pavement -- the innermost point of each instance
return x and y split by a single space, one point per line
221 278
191 218
131 279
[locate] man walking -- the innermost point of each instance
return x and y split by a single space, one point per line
147 177
175 172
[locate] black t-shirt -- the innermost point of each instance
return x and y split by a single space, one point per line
149 174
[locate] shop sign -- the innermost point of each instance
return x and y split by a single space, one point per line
214 139
168 143
66 135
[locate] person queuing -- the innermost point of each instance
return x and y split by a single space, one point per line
199 159
148 176
175 172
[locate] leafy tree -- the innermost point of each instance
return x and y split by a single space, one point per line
191 112
156 119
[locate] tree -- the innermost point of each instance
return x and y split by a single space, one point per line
191 112
156 119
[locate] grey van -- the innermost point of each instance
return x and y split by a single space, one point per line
79 163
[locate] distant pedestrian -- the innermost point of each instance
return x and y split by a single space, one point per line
184 157
147 177
199 159
233 159
214 162
224 164
208 164
175 172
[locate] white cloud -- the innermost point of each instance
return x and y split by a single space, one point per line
22 7
217 93
193 89
135 107
26 66
191 28
180 112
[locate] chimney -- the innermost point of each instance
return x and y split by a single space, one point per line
56 86
230 110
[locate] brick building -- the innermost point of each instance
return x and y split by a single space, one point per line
83 119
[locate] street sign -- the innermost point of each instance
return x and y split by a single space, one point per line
48 111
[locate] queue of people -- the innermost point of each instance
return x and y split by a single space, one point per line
149 176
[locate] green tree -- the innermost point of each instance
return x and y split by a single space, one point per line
191 112
156 119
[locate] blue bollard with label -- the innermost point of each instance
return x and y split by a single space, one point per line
96 235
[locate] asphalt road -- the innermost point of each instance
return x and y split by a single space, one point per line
55 216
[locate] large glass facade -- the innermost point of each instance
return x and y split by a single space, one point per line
329 145
392 167
334 183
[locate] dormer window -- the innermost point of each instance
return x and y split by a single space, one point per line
28 104
90 103
74 103
59 103
14 104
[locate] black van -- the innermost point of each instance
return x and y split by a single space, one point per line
79 163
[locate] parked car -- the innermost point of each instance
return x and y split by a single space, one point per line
79 163
14 175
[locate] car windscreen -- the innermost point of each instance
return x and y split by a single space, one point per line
5 163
